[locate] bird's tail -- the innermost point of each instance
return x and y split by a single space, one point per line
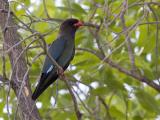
36 93
42 86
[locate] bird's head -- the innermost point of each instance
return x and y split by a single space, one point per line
70 26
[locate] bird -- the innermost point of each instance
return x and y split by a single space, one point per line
62 50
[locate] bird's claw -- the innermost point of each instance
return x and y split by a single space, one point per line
60 72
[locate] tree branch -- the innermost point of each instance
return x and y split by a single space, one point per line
128 42
78 113
123 70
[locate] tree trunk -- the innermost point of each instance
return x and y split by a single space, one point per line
19 78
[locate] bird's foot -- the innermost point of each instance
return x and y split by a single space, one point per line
60 72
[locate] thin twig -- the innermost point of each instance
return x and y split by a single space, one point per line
128 42
106 107
78 113
84 105
45 9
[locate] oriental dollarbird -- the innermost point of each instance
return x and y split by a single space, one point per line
62 51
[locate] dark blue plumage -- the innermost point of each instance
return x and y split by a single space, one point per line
62 50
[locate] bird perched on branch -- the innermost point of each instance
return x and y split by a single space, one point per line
62 51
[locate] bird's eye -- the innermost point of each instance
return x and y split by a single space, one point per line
71 23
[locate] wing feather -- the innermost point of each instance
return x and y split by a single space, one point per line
55 50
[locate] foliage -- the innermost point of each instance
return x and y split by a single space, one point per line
106 92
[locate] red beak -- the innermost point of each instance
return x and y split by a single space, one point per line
78 24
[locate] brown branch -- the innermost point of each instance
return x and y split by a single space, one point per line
91 25
45 9
78 113
11 38
128 42
144 3
97 38
83 104
153 22
4 80
123 70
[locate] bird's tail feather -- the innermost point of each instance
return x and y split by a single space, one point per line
36 93
42 85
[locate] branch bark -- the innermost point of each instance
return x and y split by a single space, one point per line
112 64
128 41
19 76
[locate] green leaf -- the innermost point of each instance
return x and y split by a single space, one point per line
115 113
78 8
147 101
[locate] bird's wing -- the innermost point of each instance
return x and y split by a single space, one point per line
49 73
55 50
